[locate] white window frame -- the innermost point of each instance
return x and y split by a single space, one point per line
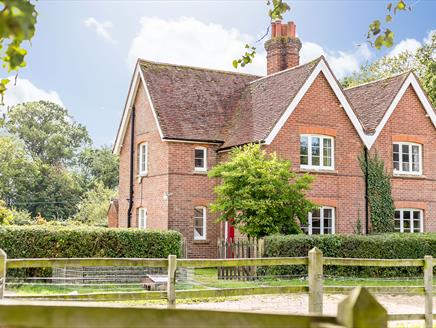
204 167
142 218
309 165
143 146
400 154
321 212
411 210
204 210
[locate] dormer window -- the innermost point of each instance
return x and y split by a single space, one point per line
200 159
407 158
143 159
316 152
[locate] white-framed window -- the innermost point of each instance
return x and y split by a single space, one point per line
407 158
409 220
143 158
200 223
142 218
321 221
317 152
200 159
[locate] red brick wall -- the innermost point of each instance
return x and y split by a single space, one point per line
409 119
149 190
188 190
319 111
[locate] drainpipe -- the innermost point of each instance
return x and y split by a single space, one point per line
132 158
366 193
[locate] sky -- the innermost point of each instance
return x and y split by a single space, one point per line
84 52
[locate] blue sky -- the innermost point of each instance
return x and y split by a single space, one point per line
84 51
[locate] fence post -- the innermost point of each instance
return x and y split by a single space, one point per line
3 258
428 287
361 310
315 271
171 284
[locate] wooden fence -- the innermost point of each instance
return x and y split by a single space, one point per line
359 310
315 262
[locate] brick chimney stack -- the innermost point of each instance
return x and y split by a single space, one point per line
283 49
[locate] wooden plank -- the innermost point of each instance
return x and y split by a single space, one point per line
416 290
266 261
171 285
3 259
428 286
205 293
406 317
85 262
315 277
31 316
374 262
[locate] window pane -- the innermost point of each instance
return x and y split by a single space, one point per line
416 221
415 158
304 151
327 152
315 151
396 156
397 221
405 157
199 228
328 220
199 158
316 222
396 148
406 221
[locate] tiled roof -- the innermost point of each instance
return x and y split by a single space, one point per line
192 103
370 101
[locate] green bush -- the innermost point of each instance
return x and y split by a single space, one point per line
382 246
58 241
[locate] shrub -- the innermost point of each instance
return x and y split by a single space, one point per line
73 242
382 246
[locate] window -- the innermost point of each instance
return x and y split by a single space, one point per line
316 152
142 218
408 220
143 159
406 157
200 223
321 221
200 159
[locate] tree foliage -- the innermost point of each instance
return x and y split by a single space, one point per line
381 203
422 62
260 193
6 215
17 25
48 132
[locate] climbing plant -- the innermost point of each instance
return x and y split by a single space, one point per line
381 204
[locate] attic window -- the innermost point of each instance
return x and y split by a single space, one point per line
406 157
200 159
316 152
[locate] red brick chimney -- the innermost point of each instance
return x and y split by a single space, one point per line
283 49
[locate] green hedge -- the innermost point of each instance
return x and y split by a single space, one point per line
56 241
383 246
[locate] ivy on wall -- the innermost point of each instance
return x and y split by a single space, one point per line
381 204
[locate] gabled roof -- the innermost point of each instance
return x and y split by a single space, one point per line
370 101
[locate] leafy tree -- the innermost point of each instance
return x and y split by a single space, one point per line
260 193
381 203
423 63
47 130
6 216
94 205
17 24
99 165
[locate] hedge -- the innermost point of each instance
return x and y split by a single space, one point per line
382 246
56 242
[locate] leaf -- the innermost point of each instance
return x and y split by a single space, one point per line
388 18
235 63
379 41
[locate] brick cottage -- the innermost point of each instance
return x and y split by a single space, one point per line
180 121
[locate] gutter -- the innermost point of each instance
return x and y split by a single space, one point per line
366 192
132 152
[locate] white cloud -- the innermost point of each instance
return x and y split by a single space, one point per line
101 28
187 41
410 45
342 62
24 91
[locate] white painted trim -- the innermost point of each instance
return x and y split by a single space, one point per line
137 76
411 80
204 212
321 166
204 167
140 154
400 172
412 228
321 67
142 218
321 223
193 142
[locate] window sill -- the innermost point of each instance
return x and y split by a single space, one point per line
319 171
409 176
200 172
200 241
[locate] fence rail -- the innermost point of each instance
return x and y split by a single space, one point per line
315 262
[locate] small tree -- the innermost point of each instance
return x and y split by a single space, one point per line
381 204
260 193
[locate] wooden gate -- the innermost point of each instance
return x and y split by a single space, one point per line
246 248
